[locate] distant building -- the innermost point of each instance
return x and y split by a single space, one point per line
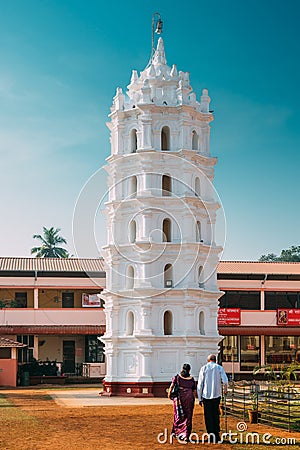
260 315
8 361
45 304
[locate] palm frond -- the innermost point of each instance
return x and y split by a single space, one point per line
49 247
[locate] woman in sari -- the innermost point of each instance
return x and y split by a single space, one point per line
183 404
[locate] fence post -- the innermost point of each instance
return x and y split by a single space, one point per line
244 402
257 389
232 395
289 410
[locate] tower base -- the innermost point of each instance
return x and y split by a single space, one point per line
135 389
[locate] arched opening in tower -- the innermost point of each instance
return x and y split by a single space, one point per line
195 140
130 278
201 323
168 323
165 138
166 185
132 231
200 277
133 141
198 231
129 323
167 230
133 186
168 276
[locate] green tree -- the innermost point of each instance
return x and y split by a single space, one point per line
50 241
292 254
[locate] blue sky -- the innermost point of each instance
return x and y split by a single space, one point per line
61 62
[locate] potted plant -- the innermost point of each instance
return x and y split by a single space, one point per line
253 412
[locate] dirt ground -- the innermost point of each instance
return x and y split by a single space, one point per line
31 420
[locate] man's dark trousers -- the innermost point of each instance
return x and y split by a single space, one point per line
212 416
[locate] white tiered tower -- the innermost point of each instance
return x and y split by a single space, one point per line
161 297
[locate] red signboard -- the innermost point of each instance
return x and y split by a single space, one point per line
229 316
290 317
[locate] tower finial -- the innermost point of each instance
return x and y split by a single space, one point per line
157 27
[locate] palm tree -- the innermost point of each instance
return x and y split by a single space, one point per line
49 247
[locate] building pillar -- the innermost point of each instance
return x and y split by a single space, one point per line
146 133
36 347
36 298
262 300
262 350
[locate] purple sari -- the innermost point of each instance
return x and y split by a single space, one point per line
183 407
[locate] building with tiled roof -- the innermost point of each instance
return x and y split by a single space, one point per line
259 314
8 361
53 306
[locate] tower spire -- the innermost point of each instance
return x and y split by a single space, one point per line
159 55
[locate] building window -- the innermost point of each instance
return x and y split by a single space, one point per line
201 323
168 323
274 300
241 299
167 230
132 231
168 276
250 352
20 300
133 141
132 186
25 355
282 349
67 299
165 138
166 185
94 350
229 349
197 186
195 140
130 277
129 323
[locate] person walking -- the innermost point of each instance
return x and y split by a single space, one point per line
183 403
209 390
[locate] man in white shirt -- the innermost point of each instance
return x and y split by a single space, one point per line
209 391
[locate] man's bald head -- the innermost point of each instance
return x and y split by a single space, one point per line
212 358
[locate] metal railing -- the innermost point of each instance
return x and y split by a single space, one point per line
277 405
280 407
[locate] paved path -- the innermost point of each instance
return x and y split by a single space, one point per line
76 398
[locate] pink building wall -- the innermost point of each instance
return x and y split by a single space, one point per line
8 372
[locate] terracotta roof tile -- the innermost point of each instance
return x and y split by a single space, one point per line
4 342
52 264
253 267
52 329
